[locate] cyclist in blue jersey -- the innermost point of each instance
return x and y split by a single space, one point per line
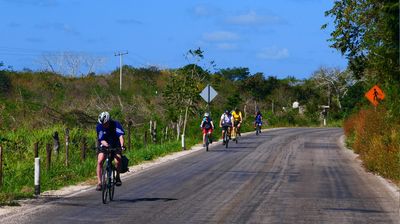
110 134
258 120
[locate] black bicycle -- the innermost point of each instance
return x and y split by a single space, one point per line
226 136
258 128
207 139
108 175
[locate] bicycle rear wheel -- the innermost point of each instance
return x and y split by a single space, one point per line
207 140
104 188
226 139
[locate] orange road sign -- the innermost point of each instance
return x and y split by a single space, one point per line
374 95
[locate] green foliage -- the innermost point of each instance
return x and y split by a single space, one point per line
5 84
367 33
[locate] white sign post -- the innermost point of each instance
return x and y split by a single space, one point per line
208 94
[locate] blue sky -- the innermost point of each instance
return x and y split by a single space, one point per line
278 38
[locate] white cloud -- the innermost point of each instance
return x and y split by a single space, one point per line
220 36
128 21
59 27
252 18
226 46
201 10
273 53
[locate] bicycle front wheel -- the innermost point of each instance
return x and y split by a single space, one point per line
104 187
111 183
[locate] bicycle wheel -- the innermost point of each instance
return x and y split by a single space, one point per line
207 140
112 182
104 189
226 139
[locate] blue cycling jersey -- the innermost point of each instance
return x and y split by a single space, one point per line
259 118
110 134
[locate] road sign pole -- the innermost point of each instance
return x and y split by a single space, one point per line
208 101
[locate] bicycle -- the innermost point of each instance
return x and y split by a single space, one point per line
258 128
207 140
108 175
226 137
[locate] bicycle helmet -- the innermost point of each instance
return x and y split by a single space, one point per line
226 111
104 117
206 114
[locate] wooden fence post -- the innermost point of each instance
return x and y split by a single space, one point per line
36 149
83 154
66 146
1 167
48 157
56 143
154 133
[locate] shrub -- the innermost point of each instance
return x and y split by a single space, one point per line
377 140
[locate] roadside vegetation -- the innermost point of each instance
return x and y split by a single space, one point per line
367 33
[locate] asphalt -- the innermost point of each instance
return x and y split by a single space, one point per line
299 175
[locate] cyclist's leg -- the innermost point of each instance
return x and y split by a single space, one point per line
210 135
204 136
100 160
117 161
233 132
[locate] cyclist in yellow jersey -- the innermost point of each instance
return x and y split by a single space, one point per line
237 118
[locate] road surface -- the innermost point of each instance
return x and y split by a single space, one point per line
297 175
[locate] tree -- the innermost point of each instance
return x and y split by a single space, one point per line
367 33
335 82
235 74
182 89
71 63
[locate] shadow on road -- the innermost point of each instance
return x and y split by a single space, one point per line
355 210
136 200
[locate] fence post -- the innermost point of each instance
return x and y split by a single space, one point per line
66 146
37 176
37 169
56 143
1 167
36 149
154 134
151 130
166 134
48 158
183 142
83 154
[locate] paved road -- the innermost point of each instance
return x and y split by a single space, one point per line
282 176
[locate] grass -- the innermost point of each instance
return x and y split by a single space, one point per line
18 169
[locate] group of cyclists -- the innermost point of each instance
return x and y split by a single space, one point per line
110 134
229 122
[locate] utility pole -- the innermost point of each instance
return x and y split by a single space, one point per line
120 67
